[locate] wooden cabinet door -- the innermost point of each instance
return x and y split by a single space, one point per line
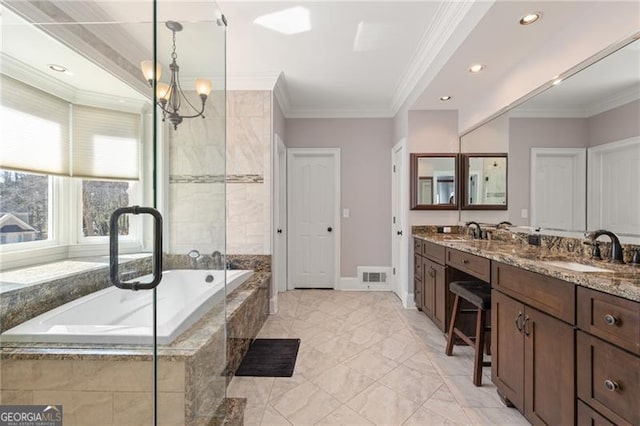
418 280
439 310
429 279
507 348
549 369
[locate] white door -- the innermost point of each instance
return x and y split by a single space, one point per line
313 203
399 238
558 188
279 222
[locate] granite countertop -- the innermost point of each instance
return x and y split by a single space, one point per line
624 281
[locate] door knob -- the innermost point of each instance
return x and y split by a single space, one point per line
329 229
399 232
279 231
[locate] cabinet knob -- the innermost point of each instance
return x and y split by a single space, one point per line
465 261
518 324
610 319
525 323
432 272
611 385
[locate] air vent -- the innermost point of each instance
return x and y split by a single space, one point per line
374 277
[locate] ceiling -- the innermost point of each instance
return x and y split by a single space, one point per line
413 51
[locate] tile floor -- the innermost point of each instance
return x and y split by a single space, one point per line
365 360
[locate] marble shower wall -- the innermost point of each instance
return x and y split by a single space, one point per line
197 171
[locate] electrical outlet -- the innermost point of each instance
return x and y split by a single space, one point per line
524 213
345 213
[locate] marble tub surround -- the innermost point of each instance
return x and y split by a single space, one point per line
624 281
251 262
28 292
192 370
230 412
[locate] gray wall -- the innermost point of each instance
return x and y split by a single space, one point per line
527 133
365 180
617 124
432 131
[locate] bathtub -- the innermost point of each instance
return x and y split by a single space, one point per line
115 316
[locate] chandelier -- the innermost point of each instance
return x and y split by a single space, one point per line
170 96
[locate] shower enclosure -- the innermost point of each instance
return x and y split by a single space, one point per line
85 132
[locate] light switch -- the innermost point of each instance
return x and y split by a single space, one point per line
524 213
345 213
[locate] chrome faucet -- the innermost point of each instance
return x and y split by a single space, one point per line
194 255
504 222
216 258
477 234
616 248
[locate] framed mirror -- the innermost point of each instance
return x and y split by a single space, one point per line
434 181
484 181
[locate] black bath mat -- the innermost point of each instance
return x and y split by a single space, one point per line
270 358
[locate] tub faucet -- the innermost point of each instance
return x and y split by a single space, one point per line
477 234
616 248
194 255
506 223
216 258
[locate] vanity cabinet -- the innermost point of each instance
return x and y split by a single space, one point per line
533 356
431 292
608 357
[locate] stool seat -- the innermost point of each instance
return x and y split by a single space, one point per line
477 293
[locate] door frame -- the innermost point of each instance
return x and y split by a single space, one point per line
278 242
401 278
335 154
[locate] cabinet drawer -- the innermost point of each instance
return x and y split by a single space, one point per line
417 268
589 416
433 251
608 379
477 266
550 295
417 246
611 318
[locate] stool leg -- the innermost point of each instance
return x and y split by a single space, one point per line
452 324
477 365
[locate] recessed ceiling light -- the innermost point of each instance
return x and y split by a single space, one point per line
58 68
530 18
476 68
288 21
445 98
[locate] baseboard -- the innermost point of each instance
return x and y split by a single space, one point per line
408 300
273 305
354 284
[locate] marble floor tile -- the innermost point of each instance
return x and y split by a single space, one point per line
412 384
495 416
305 404
365 360
371 364
444 404
484 396
344 416
382 405
343 383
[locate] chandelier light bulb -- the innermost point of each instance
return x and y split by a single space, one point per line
147 71
203 87
163 91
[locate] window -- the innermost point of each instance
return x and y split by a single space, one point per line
99 200
24 207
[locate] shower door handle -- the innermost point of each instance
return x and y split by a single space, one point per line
156 258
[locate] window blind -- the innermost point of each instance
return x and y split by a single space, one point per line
105 143
34 129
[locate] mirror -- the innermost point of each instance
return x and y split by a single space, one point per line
574 149
484 178
434 181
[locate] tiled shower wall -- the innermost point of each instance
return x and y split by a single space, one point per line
197 173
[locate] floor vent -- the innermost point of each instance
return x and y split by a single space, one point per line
374 275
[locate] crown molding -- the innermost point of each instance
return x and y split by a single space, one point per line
257 81
445 21
618 99
281 94
301 112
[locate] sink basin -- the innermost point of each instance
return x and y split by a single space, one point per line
573 266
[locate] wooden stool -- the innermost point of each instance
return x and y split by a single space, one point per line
478 293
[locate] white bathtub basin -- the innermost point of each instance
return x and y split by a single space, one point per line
125 317
573 266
